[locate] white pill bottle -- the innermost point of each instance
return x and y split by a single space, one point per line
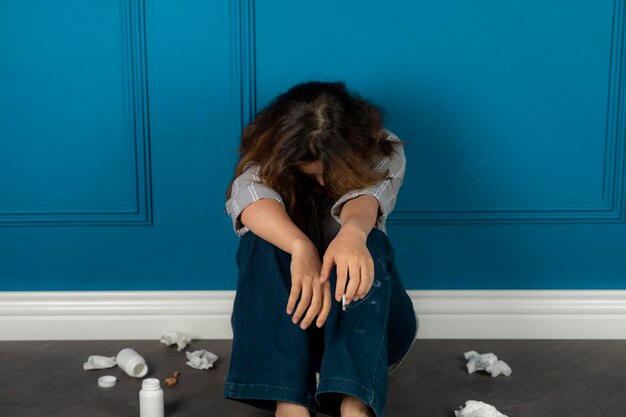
151 399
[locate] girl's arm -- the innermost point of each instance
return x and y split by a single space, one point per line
268 219
358 216
348 250
358 211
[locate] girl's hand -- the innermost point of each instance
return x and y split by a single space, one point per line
349 251
305 273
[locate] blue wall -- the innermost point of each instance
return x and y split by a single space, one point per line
119 124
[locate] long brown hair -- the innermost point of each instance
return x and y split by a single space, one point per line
315 121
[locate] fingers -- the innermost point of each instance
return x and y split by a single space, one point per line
321 319
327 267
296 285
355 279
342 277
314 307
304 301
364 285
367 278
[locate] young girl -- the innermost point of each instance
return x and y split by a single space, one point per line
317 177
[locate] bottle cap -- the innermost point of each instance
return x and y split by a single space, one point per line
107 381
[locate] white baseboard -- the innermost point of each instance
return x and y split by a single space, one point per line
442 314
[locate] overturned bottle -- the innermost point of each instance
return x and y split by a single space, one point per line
132 363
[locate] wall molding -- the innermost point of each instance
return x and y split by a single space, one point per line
135 82
244 61
442 314
609 208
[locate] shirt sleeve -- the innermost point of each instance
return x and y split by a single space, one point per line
385 191
248 188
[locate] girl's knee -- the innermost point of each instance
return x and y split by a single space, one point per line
250 243
381 251
378 244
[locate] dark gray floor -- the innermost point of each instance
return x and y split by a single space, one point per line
550 378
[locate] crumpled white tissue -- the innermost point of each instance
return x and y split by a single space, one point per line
486 362
181 339
99 362
201 359
478 409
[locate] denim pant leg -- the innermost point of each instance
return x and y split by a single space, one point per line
356 343
271 356
402 323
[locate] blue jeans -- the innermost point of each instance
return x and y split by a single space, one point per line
353 352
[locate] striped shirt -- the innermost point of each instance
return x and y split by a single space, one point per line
248 188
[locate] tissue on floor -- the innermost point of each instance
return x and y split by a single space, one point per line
486 362
478 409
201 359
99 362
180 339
